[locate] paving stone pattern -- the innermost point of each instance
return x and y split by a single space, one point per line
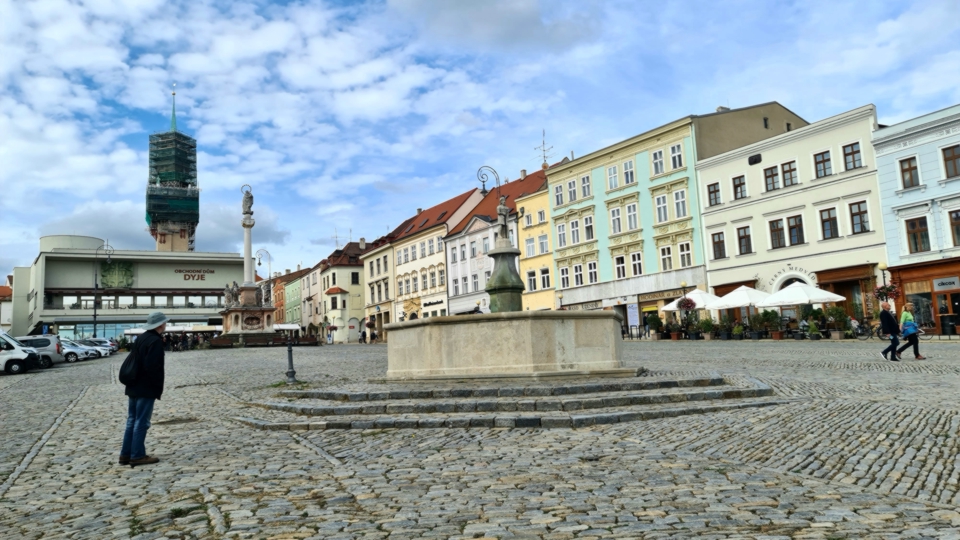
859 448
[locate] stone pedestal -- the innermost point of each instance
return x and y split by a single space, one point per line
505 286
515 344
249 317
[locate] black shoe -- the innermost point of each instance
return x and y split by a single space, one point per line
884 356
897 358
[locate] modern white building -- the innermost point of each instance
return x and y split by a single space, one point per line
57 293
801 206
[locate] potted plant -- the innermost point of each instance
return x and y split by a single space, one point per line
839 319
738 332
676 331
773 322
756 326
725 325
707 326
371 324
692 323
814 331
655 324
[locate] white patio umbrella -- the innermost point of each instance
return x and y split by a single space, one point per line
701 298
799 294
741 297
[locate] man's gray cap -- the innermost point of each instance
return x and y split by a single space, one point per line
155 319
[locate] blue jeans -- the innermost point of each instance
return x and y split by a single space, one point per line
893 346
139 411
646 330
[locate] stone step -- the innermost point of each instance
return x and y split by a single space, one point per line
535 419
510 390
522 404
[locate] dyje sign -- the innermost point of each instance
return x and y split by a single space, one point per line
194 275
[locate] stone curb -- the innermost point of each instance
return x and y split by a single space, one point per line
505 421
506 391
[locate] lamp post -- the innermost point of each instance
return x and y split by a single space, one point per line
683 288
883 271
560 297
108 250
291 374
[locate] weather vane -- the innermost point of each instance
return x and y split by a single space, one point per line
544 149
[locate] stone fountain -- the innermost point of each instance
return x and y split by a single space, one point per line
508 342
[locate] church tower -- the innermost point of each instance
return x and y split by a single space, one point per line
173 196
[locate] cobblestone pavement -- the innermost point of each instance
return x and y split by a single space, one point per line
869 451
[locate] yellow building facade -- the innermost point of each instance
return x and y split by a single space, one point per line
536 251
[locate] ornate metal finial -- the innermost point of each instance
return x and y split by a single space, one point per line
482 175
544 150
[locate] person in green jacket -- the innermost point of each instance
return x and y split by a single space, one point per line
913 339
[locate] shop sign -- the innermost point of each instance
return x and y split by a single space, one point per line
673 293
583 307
791 269
434 303
190 274
946 283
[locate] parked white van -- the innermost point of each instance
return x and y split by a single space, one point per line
15 357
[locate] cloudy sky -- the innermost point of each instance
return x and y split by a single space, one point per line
347 116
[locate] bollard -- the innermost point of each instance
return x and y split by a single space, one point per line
291 374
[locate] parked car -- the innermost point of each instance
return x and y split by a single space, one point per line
105 343
88 352
15 357
101 350
48 347
73 352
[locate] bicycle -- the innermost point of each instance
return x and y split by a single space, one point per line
865 332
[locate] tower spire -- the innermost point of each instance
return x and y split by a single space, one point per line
173 114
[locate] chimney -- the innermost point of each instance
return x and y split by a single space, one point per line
298 268
722 109
363 243
523 173
287 271
571 155
419 210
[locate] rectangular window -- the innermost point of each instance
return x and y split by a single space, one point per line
620 265
442 275
384 263
439 243
739 187
373 294
564 278
541 216
456 288
463 281
561 235
486 244
909 173
413 253
371 272
378 270
822 162
632 216
406 285
795 228
558 195
628 177
680 204
686 257
636 263
415 284
380 293
528 220
406 255
657 159
828 223
859 221
423 249
486 278
530 247
430 246
433 280
532 280
592 272
572 190
676 156
743 239
917 236
542 240
588 228
789 173
719 248
713 194
585 185
851 156
661 202
423 281
476 283
777 239
612 181
666 259
951 161
614 221
577 275
463 252
333 302
473 249
453 254
544 278
955 226
772 178
386 291
575 232
334 276
355 278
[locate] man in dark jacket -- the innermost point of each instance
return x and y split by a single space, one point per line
141 394
890 328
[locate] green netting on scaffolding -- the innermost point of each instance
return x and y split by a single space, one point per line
173 159
180 205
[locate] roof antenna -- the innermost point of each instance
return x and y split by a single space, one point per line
336 239
173 113
544 150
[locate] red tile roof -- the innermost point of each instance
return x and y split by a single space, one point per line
436 215
335 290
348 255
518 188
5 292
390 236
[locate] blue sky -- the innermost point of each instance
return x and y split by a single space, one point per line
348 116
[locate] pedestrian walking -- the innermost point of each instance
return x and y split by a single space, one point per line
363 336
910 331
145 388
890 329
646 326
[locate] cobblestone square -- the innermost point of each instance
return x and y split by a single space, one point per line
854 447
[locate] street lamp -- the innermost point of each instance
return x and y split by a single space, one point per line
260 254
560 297
883 271
108 250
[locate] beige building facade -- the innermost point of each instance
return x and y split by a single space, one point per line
536 257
